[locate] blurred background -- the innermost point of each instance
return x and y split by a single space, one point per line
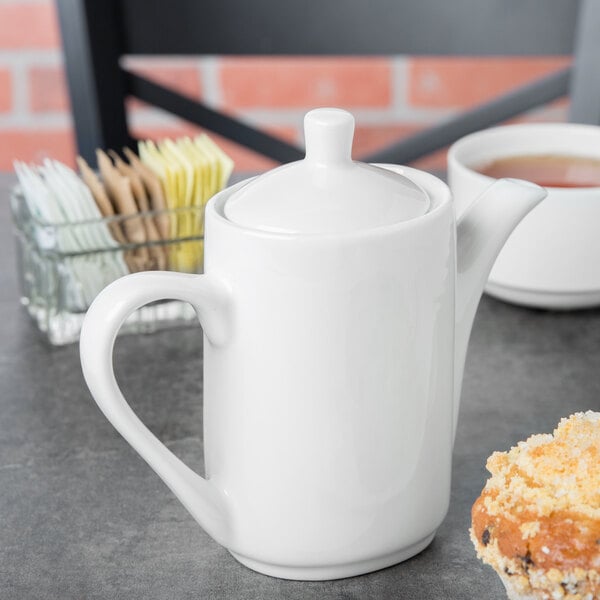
397 95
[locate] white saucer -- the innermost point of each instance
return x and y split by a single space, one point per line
544 299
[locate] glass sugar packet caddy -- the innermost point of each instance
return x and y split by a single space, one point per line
63 266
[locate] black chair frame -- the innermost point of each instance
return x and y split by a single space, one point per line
97 34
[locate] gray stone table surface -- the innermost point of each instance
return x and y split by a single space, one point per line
82 516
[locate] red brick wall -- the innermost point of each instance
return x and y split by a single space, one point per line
390 96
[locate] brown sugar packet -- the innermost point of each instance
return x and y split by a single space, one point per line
119 188
100 196
106 208
157 253
155 190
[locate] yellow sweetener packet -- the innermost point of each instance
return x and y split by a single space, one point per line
154 159
200 169
202 175
225 162
209 158
184 174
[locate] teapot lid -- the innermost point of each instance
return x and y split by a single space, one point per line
326 192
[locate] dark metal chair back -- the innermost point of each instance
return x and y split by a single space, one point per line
97 34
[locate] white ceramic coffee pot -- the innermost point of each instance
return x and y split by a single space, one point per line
337 303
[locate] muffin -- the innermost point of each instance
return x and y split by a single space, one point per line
537 521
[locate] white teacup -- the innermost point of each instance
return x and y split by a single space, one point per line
552 259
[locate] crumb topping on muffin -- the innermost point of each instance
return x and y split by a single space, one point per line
537 521
550 472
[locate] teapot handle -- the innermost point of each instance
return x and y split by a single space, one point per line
211 300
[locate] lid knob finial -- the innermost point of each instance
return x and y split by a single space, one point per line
328 134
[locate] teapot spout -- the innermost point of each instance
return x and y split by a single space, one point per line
481 232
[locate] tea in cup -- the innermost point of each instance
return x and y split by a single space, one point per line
552 258
547 170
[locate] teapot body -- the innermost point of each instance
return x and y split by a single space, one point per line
328 411
336 305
